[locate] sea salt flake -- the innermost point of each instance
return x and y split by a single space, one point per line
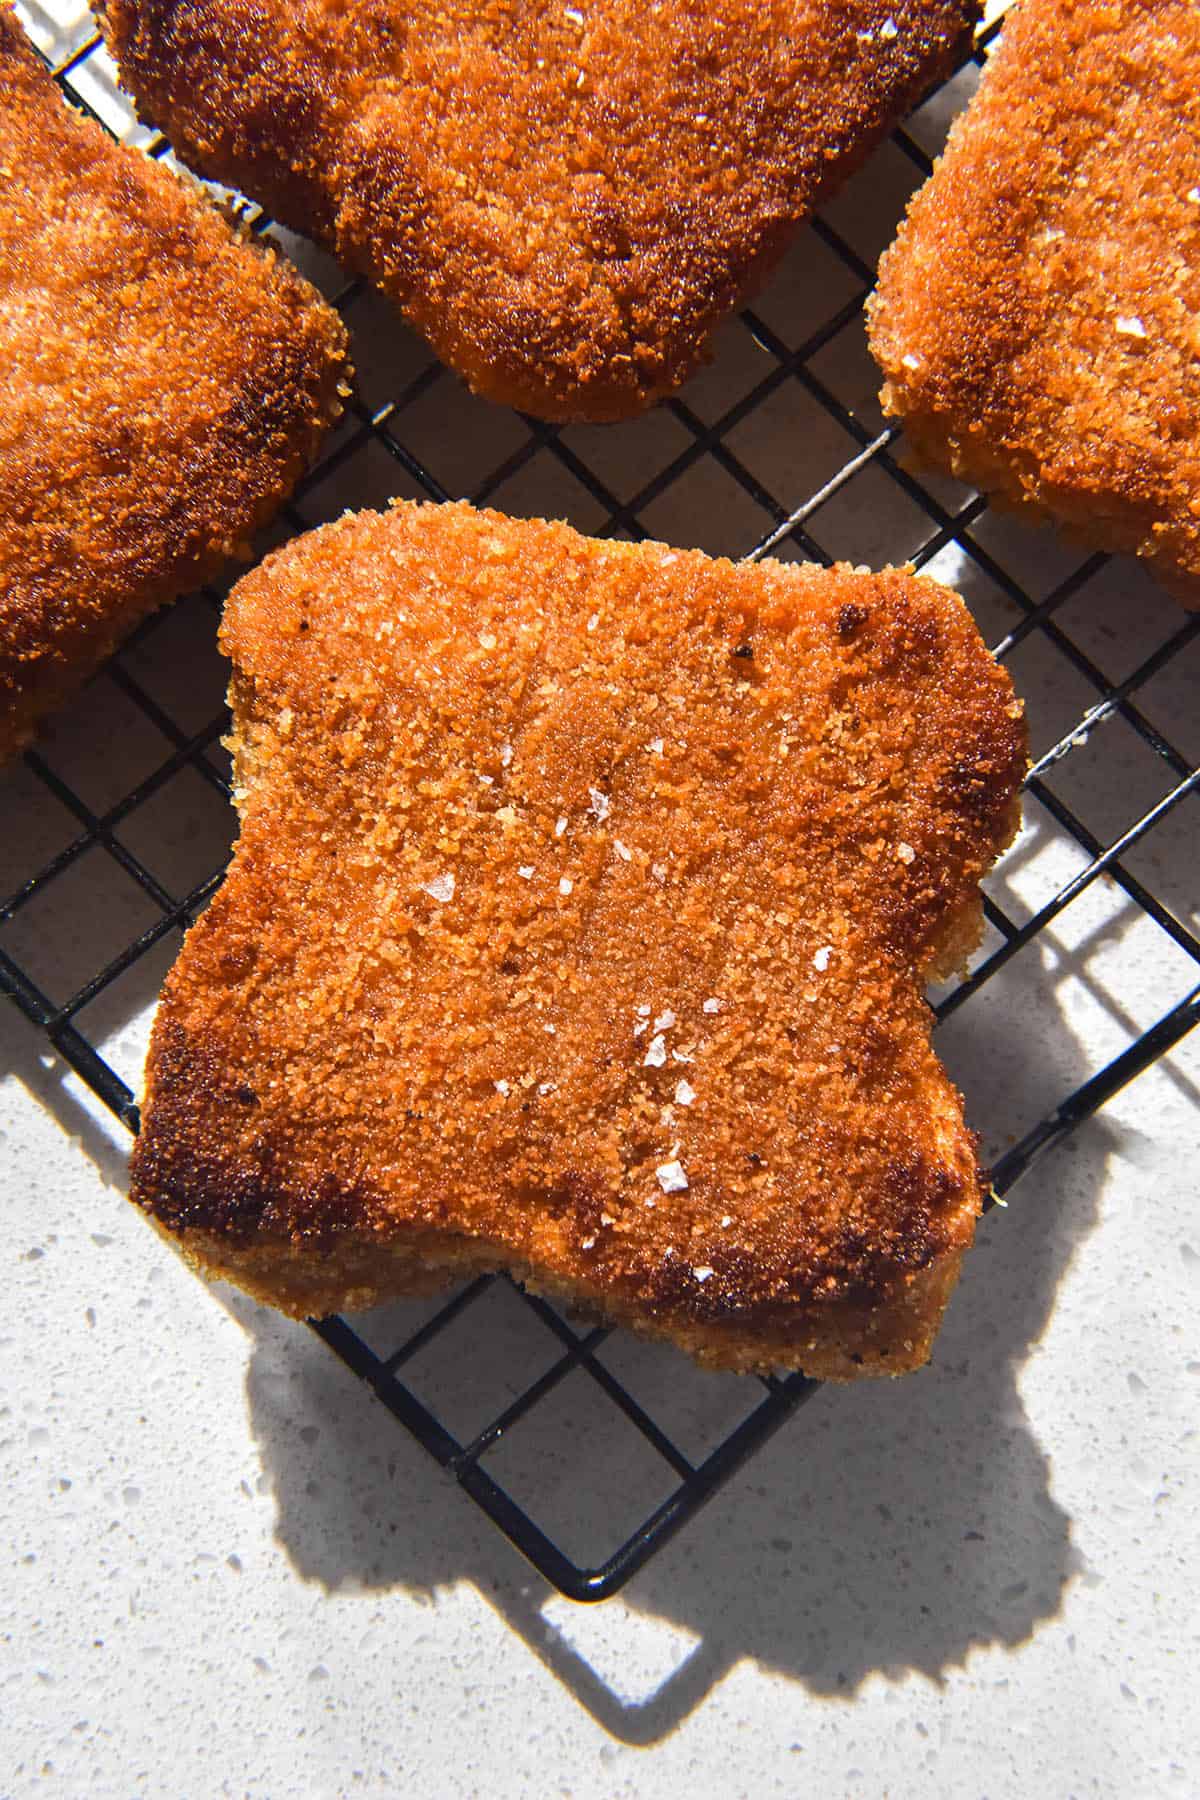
656 1052
576 18
607 1219
664 1021
704 1273
659 871
440 888
622 850
1129 325
561 825
587 1243
501 1087
506 756
565 885
713 1006
821 959
685 1093
643 1012
905 852
671 1178
550 1030
545 1087
655 745
600 805
889 29
727 1221
593 621
1193 195
526 871
910 361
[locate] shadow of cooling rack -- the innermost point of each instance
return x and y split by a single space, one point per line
701 469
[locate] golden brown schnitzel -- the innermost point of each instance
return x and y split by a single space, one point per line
165 381
1036 319
578 926
565 199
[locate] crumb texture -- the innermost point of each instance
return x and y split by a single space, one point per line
577 925
566 200
165 381
1036 318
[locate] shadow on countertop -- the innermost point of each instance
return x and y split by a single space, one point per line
888 1527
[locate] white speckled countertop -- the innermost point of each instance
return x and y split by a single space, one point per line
227 1571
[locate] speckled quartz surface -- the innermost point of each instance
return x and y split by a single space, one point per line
226 1571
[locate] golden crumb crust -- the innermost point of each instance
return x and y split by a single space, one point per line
1036 318
165 381
566 200
577 926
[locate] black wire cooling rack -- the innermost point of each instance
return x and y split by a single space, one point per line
411 428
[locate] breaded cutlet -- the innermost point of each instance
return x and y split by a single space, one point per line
565 200
578 926
1036 318
165 382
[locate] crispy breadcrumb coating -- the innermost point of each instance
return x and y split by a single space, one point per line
164 383
566 200
1036 319
578 925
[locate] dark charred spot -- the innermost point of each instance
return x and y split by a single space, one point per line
746 651
245 1096
754 1159
851 617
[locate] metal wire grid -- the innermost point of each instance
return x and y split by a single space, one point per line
381 424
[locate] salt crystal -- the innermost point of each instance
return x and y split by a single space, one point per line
656 1052
703 1273
622 850
659 871
727 1221
643 1012
545 1087
526 871
889 29
576 18
607 1219
601 806
440 888
487 640
671 1178
905 852
486 780
656 745
1129 325
565 885
910 361
684 1093
561 825
821 959
506 756
593 621
713 1006
587 1243
1194 196
664 1021
501 1087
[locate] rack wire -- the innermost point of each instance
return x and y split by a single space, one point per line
396 439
